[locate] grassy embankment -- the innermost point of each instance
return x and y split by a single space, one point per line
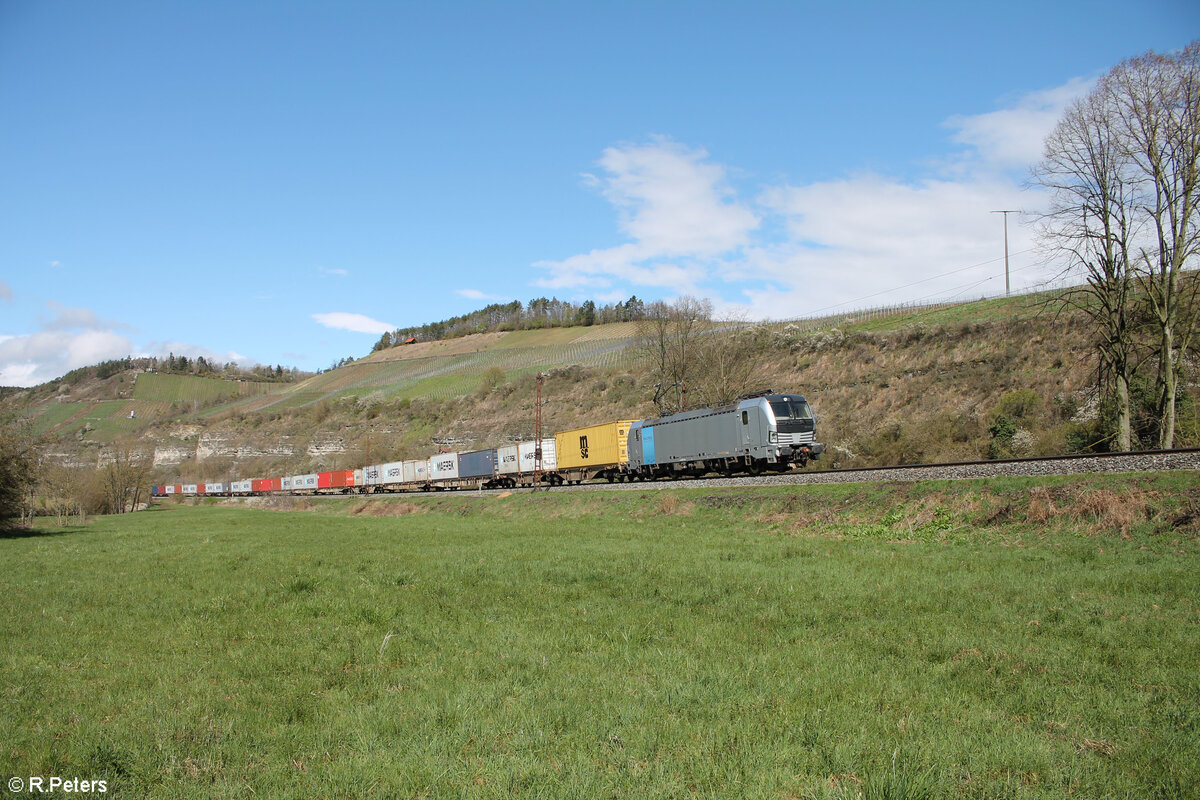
1016 638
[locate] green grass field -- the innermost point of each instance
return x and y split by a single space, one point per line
1012 639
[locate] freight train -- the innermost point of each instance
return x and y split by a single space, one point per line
764 431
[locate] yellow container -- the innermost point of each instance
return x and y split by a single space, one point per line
598 445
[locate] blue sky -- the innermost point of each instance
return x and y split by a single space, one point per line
277 182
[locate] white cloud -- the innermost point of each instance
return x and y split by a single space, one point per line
868 241
676 207
78 337
5 291
338 271
357 323
65 318
864 240
475 294
1012 137
165 349
36 358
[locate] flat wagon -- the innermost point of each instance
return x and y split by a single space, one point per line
598 451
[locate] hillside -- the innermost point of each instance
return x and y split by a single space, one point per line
888 388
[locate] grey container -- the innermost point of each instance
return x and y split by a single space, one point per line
477 464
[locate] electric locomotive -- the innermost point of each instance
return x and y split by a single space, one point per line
762 431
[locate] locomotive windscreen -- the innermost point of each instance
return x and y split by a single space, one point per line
788 409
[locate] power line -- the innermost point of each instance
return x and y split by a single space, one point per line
914 283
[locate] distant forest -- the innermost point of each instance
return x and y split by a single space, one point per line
515 316
180 365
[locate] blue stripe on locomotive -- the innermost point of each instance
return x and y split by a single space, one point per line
648 445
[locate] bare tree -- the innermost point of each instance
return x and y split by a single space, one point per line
64 492
1092 222
124 477
669 344
1157 102
691 355
1123 168
730 357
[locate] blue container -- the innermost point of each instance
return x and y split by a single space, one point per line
477 464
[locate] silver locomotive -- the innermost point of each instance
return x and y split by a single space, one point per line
763 431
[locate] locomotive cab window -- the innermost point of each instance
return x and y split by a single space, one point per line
791 409
745 417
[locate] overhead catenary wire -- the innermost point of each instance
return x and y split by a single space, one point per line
894 289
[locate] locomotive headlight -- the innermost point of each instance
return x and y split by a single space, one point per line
773 436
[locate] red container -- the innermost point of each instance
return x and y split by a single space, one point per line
324 480
343 478
261 485
179 488
200 488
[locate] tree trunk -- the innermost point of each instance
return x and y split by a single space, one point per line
1169 384
1124 436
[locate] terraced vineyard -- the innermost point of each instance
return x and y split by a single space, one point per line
442 376
153 386
102 420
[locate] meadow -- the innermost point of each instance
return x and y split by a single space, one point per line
1007 639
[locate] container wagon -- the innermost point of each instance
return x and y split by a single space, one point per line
515 463
598 451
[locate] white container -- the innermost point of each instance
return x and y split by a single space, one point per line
216 488
304 481
241 487
508 460
391 472
549 460
443 466
285 483
170 488
416 471
190 488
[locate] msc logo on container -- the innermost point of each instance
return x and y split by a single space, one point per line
583 447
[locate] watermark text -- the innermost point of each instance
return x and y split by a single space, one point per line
41 785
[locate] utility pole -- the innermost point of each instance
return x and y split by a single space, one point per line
1006 213
537 434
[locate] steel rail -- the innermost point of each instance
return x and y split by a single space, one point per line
1134 461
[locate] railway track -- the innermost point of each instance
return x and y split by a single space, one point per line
1093 463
